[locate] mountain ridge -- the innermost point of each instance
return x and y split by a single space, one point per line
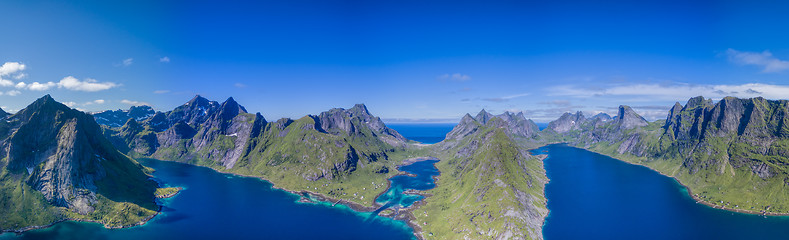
57 159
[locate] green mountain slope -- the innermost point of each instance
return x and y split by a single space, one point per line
337 153
56 165
732 154
490 187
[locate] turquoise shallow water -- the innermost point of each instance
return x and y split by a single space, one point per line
591 196
222 206
422 179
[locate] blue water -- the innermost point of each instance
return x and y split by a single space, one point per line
221 206
395 196
423 132
591 196
542 126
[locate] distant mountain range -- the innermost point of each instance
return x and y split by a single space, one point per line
59 163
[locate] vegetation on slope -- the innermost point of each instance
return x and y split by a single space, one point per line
731 154
56 165
489 188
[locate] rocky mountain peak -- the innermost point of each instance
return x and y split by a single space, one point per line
359 110
195 111
627 118
483 117
198 100
567 122
43 104
465 127
698 101
140 113
230 108
352 121
602 117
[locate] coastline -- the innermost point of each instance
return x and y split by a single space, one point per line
140 223
690 192
402 214
543 157
409 211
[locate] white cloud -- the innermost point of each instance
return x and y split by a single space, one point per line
70 104
6 82
240 85
454 77
764 59
134 103
36 86
676 92
13 93
161 91
13 70
70 83
97 101
9 68
89 85
164 59
127 62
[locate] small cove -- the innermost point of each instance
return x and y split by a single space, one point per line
420 176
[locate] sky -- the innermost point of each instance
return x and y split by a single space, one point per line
408 61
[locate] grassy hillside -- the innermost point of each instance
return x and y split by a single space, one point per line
489 188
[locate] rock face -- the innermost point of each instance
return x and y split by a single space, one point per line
119 117
627 118
203 132
742 130
567 122
198 131
515 124
339 121
61 153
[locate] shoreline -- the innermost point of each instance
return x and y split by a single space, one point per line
401 214
410 210
140 223
542 158
690 192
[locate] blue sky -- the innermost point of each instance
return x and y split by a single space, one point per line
407 60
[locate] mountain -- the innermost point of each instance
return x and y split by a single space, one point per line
200 131
57 165
517 125
118 117
490 186
731 153
337 149
567 122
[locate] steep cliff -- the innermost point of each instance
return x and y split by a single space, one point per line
57 164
